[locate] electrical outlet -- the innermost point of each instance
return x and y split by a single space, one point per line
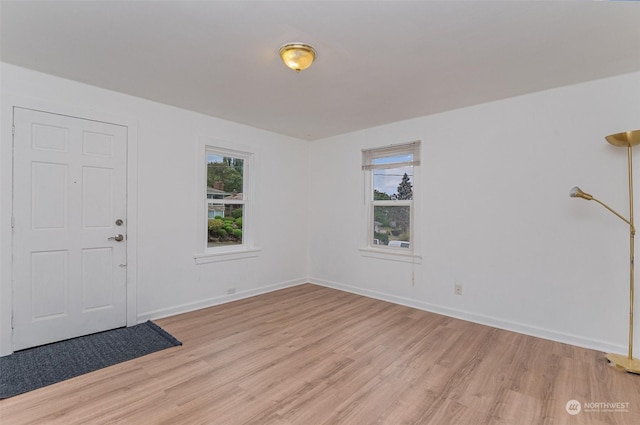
231 291
457 288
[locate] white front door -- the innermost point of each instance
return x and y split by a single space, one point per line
69 205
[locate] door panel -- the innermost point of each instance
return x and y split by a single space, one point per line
69 275
50 281
49 137
49 195
97 202
97 278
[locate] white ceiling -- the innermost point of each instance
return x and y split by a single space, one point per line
378 61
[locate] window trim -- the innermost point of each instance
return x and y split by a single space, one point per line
368 249
247 249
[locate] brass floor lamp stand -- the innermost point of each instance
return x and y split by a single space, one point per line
627 139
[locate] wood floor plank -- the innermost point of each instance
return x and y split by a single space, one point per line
310 355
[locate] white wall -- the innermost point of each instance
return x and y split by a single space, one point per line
167 278
494 208
495 214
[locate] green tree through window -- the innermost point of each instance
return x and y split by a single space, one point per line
390 190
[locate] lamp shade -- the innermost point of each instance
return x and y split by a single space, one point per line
627 138
576 192
298 56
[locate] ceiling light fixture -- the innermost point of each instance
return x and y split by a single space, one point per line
298 56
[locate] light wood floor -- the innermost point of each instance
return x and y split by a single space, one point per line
310 355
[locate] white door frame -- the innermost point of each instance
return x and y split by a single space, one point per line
9 102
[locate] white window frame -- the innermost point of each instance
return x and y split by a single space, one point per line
205 254
382 251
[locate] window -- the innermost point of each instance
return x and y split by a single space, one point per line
226 201
390 177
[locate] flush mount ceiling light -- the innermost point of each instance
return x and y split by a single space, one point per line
298 56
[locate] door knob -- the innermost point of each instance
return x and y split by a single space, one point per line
117 238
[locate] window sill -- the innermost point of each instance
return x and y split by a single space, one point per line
391 255
213 257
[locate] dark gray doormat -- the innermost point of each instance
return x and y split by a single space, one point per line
38 367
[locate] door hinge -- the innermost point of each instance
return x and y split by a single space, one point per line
13 222
13 129
13 320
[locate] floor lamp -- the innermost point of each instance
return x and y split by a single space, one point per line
627 139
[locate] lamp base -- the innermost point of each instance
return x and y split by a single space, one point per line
624 363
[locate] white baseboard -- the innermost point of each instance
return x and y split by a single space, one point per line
210 302
495 322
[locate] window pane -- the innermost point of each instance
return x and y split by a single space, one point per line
393 183
391 225
393 159
224 224
224 177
